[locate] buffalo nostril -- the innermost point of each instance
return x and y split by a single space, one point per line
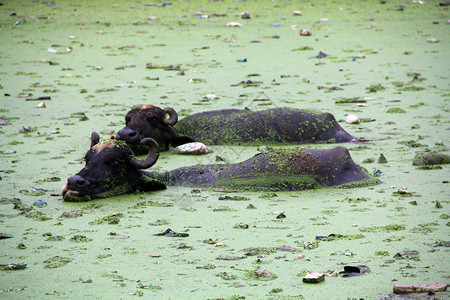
77 181
81 182
132 134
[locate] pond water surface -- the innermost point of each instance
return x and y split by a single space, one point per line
388 61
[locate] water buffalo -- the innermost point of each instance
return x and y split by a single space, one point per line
232 127
112 169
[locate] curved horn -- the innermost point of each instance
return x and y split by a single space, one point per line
173 117
151 157
95 138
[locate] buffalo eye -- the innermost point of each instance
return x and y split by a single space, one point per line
115 162
152 120
127 119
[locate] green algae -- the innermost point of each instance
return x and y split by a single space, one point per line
72 214
55 238
80 239
386 228
226 276
241 226
354 200
375 88
110 219
395 110
348 237
260 275
56 262
206 267
412 144
431 158
151 203
148 286
260 250
359 183
268 183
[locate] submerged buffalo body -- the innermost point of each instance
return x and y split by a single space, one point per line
232 126
276 125
112 169
280 170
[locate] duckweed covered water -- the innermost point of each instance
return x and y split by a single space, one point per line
90 62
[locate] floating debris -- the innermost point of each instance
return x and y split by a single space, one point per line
403 191
25 128
5 236
286 248
241 226
234 24
196 80
314 277
262 274
170 233
228 257
4 122
377 173
352 271
248 83
427 288
12 267
310 245
408 254
194 148
39 98
245 15
210 97
72 214
305 32
321 55
40 203
352 119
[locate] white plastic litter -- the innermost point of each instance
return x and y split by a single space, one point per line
352 119
192 148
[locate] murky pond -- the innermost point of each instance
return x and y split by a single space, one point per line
68 68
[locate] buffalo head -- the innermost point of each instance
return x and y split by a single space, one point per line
148 121
112 169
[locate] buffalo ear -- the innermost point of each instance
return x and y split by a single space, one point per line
150 159
95 138
173 116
